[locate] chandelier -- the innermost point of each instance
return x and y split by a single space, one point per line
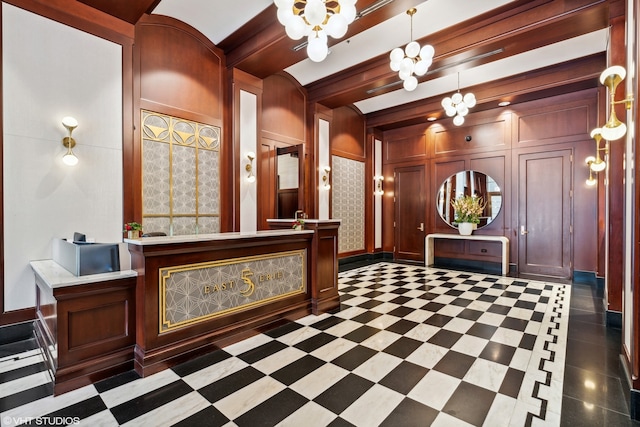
412 61
458 105
316 19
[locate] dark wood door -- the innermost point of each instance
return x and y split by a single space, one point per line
544 214
409 213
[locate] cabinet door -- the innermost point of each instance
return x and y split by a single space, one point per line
544 214
409 213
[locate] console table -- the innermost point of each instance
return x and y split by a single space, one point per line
431 237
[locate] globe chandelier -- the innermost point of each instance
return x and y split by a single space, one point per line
458 105
411 61
316 19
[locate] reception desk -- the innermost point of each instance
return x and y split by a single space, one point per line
85 325
195 294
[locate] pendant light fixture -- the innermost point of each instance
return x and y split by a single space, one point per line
316 19
458 105
412 61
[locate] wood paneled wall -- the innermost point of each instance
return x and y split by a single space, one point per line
179 72
490 142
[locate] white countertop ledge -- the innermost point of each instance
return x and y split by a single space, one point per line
310 221
189 238
56 276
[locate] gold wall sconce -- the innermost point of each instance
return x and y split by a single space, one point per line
377 184
325 177
591 181
249 167
611 77
598 165
69 158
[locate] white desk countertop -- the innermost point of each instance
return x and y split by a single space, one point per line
189 238
56 276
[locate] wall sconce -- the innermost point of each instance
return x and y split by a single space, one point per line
611 77
598 165
325 177
377 183
249 167
591 181
69 158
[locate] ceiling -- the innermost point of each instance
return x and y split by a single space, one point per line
514 50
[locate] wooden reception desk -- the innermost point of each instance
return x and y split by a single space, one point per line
185 296
195 294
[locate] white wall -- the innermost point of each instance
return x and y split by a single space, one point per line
51 71
324 159
248 143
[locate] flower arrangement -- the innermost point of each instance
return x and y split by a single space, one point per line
132 226
298 224
468 209
133 230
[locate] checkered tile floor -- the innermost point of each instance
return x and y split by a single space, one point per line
410 346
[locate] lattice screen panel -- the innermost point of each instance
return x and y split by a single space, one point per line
180 175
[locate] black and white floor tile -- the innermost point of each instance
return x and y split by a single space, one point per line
409 346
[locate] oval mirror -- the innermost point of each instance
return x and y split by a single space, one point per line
468 183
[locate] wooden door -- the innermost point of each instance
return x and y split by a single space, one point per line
544 214
409 213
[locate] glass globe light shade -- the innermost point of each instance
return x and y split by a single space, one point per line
462 109
70 159
315 12
348 11
450 111
612 71
410 83
395 66
347 2
284 15
69 122
598 166
336 26
613 133
446 102
456 98
404 74
407 65
427 52
421 67
591 181
413 49
469 100
589 159
296 27
284 3
251 178
317 49
594 132
396 55
458 120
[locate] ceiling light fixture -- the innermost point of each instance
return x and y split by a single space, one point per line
316 19
614 128
458 105
504 103
412 60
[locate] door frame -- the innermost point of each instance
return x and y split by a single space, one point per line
396 216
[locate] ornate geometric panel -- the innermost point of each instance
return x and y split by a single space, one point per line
181 175
348 202
192 293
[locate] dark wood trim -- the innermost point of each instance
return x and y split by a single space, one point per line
570 77
616 182
80 16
